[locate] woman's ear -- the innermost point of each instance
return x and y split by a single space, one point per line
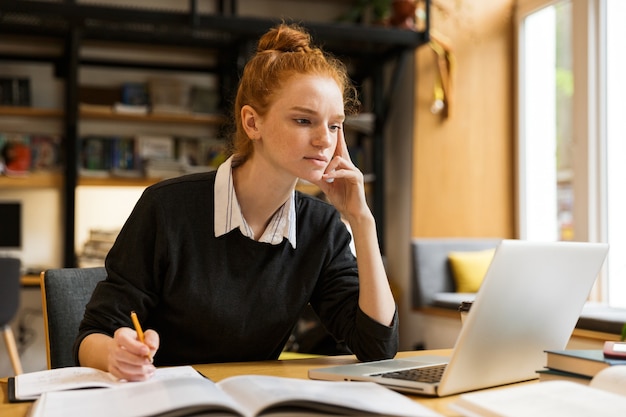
250 121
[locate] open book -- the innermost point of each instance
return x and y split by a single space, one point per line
605 396
242 396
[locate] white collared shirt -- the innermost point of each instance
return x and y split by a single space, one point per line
228 214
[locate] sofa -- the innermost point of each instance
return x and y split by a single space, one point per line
433 283
436 300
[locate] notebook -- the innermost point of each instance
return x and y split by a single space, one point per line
529 302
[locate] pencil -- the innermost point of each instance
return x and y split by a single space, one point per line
133 317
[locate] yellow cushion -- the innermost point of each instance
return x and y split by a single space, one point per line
469 268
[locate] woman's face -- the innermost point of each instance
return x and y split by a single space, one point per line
299 133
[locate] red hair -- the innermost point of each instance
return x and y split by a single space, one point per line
283 51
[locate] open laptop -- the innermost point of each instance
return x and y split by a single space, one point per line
529 301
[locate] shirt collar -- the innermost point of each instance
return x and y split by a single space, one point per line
228 214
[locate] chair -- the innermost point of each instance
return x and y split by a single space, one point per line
65 293
10 276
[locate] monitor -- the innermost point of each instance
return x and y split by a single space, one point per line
10 225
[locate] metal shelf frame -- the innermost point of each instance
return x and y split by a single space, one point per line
229 37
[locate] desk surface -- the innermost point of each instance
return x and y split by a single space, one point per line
292 368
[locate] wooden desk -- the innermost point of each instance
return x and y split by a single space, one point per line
293 368
298 368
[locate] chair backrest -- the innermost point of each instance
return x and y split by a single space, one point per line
9 289
431 273
65 293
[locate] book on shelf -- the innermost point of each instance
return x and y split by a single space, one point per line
169 95
135 94
104 156
200 153
204 99
604 396
155 146
587 362
130 109
96 248
15 91
15 154
45 152
185 392
95 156
153 156
22 153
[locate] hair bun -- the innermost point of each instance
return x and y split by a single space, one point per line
285 38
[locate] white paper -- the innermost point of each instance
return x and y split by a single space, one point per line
31 385
255 392
611 379
545 399
132 399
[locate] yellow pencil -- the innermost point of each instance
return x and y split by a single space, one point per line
133 317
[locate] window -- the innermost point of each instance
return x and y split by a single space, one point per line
571 143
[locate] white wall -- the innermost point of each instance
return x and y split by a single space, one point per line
102 208
41 227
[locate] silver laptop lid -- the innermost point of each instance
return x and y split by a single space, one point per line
530 300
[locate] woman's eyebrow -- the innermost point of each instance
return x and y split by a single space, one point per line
339 116
304 109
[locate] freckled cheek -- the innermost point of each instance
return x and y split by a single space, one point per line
333 147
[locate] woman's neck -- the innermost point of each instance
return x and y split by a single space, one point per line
260 192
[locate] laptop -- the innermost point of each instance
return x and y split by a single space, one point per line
530 300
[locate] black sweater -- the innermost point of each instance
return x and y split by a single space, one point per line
229 298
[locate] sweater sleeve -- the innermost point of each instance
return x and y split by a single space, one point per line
336 301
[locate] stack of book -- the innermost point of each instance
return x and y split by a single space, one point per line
577 365
97 247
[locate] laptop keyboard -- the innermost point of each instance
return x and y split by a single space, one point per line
427 374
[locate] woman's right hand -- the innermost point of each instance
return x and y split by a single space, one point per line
130 359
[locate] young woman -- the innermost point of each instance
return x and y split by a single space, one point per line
220 266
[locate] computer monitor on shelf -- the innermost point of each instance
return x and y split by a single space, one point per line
10 227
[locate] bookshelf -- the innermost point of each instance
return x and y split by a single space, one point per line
189 119
30 112
33 180
78 31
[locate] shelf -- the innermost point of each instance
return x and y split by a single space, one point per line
33 180
195 118
218 31
30 112
116 182
30 280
